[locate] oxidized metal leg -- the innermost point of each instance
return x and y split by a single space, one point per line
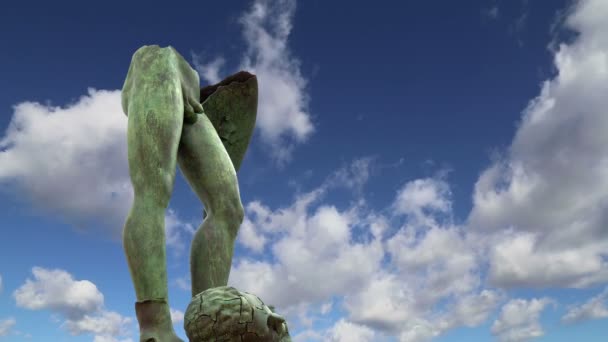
210 153
159 91
208 169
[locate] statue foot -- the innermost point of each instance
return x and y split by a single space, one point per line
155 323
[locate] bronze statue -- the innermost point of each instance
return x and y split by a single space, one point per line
206 131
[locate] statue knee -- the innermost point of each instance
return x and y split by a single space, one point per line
239 213
232 214
235 213
157 197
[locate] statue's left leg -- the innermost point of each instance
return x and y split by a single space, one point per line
156 98
209 171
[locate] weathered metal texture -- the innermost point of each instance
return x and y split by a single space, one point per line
159 90
161 97
231 105
227 314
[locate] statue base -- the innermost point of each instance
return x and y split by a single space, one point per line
226 314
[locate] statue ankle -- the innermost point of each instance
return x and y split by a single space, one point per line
153 314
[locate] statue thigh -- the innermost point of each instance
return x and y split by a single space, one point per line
153 100
208 169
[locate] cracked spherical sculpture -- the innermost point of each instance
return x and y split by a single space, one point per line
227 314
205 131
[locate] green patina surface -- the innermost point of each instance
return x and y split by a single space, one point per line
232 109
227 314
168 126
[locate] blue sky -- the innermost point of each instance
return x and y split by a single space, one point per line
422 171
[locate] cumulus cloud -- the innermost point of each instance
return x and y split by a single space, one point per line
385 303
433 251
324 239
546 200
177 316
421 196
260 219
72 161
177 231
389 278
353 176
57 290
434 261
283 118
595 308
209 71
517 259
473 309
519 320
105 324
6 325
307 336
250 237
344 331
283 101
99 338
183 282
326 307
79 301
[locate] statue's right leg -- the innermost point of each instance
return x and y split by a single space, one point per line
152 99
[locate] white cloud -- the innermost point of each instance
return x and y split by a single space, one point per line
518 259
307 336
57 290
249 236
183 282
438 246
326 308
474 309
344 331
6 325
260 219
406 302
100 338
105 324
78 300
175 229
595 308
283 102
543 205
353 176
1 288
322 238
547 199
209 71
519 320
386 303
291 218
420 196
320 253
177 316
72 161
283 119
419 330
439 257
